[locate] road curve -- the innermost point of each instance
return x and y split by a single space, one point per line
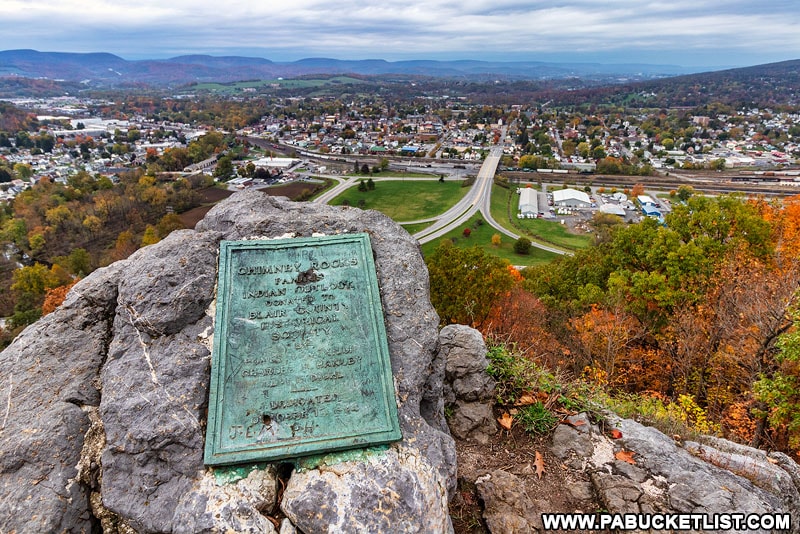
478 199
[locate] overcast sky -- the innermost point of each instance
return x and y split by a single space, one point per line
716 33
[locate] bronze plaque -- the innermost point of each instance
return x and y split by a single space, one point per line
300 360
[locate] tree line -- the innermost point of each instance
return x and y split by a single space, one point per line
55 233
701 312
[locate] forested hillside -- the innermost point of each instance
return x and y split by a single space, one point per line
695 318
66 231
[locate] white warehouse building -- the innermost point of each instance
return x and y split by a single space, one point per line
528 202
571 198
277 163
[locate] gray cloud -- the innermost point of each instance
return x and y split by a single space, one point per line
723 32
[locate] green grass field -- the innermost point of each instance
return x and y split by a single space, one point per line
407 200
396 174
481 235
552 232
399 174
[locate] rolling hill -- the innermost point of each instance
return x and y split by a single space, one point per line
103 69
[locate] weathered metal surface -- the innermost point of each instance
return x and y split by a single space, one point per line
300 360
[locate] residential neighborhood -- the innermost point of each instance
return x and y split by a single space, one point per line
74 135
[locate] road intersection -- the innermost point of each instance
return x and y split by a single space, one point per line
477 200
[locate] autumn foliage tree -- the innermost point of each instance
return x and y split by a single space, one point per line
692 309
55 297
466 282
520 319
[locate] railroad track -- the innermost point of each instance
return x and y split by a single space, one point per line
705 184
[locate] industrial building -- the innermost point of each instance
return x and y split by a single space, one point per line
571 198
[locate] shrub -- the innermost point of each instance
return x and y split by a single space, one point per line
536 419
522 245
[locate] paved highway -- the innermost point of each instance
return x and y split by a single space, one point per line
343 185
478 199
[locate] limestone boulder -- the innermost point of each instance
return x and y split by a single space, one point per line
645 471
468 389
105 399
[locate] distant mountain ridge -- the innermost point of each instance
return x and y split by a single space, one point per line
105 69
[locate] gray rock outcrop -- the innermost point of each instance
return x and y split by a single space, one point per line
468 389
104 400
508 509
655 473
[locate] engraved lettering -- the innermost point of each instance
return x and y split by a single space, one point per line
260 372
336 375
320 308
303 401
305 366
340 362
268 269
261 314
334 264
337 351
261 293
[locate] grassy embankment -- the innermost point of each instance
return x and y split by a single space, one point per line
408 200
405 200
505 205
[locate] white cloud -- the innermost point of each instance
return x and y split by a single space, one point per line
397 29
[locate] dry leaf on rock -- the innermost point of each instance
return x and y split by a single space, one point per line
506 421
538 463
625 456
616 434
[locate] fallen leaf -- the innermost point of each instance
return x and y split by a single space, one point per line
538 463
506 421
625 456
526 400
616 434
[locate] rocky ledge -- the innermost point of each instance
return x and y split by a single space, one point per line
105 399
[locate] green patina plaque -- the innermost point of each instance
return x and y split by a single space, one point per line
300 362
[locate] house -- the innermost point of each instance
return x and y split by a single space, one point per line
571 198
